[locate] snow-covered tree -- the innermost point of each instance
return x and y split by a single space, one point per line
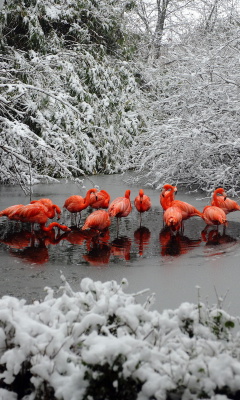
193 135
67 97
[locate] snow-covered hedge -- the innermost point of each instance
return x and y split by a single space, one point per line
99 343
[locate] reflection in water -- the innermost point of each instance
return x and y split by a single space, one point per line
142 238
99 254
17 240
215 238
175 244
31 246
121 246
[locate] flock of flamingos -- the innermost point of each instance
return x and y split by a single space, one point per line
175 211
94 230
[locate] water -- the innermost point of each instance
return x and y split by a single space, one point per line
148 258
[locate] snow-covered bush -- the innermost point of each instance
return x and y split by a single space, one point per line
100 343
67 100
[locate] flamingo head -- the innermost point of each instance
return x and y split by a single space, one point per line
221 192
127 194
169 188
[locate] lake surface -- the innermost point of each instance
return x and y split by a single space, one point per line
170 267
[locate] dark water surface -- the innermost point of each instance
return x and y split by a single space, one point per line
146 257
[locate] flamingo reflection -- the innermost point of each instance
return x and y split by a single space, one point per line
99 254
121 246
142 238
18 240
31 246
177 244
214 237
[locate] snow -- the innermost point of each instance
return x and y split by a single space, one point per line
69 336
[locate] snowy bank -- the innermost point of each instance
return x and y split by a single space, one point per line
99 343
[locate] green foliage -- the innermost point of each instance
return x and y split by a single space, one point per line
40 25
107 382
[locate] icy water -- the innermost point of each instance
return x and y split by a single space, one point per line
147 257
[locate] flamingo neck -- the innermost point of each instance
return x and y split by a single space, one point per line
52 225
215 197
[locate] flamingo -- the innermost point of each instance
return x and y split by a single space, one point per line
220 199
38 213
167 195
121 206
11 212
213 215
75 204
53 208
173 218
167 200
142 203
102 201
97 220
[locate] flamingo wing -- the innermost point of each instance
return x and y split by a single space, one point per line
120 207
11 212
99 220
74 204
187 209
33 213
213 215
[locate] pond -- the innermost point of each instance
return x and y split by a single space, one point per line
170 267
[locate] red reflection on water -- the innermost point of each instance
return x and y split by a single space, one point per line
99 254
142 238
175 244
31 246
121 246
18 240
99 250
214 237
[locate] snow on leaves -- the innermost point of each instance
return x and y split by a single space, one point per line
66 105
101 342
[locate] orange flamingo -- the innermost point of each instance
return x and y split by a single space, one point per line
11 212
167 200
38 213
102 200
173 218
52 208
213 215
142 203
97 220
75 204
220 199
167 195
121 206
